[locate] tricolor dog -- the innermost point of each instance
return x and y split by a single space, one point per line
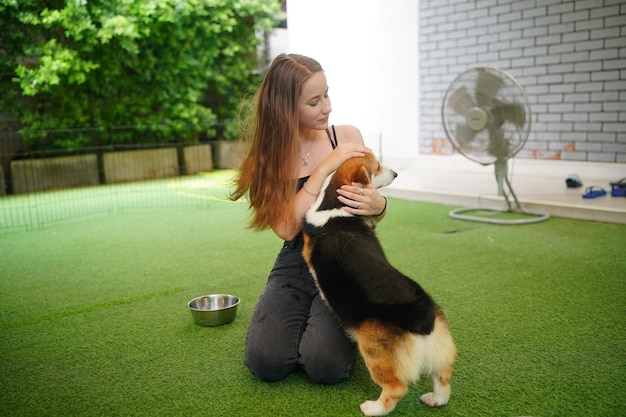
400 331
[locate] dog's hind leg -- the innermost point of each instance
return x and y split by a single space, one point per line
377 344
389 397
441 388
441 350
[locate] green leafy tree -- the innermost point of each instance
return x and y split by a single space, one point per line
167 68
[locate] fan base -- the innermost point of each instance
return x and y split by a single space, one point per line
528 217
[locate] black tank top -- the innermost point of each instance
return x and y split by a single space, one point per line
333 143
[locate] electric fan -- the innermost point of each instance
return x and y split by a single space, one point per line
486 116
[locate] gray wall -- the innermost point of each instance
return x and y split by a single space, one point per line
570 57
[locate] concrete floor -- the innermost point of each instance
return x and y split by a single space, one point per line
538 184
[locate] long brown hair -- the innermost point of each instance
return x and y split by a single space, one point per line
268 173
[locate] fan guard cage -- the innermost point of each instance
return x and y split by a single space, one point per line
480 101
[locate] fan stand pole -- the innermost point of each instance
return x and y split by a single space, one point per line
536 217
501 177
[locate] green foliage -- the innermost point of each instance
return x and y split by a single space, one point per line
167 68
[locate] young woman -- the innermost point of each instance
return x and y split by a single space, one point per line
292 151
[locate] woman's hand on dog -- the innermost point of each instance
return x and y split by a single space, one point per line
361 199
341 154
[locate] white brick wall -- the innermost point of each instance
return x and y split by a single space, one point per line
570 57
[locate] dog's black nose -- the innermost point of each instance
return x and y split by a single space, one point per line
395 174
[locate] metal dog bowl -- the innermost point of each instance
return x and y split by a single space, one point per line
213 309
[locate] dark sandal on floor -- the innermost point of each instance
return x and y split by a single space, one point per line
594 192
573 181
618 189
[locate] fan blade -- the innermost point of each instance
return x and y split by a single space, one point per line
464 136
511 112
514 113
487 86
498 145
461 102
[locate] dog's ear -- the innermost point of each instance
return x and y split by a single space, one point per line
362 175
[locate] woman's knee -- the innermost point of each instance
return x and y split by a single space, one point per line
328 370
268 364
326 352
266 371
327 366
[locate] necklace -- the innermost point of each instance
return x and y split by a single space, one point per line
305 161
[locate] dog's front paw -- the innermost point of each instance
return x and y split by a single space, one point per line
432 400
373 408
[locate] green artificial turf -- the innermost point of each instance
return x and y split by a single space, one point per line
93 316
